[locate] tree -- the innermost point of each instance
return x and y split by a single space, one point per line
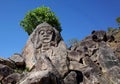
118 21
111 29
37 16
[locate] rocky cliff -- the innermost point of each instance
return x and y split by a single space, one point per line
46 59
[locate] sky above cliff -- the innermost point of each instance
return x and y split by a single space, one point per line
77 17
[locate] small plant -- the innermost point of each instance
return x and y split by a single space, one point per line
72 42
110 29
21 70
26 69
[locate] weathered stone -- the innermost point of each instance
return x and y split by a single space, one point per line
7 62
86 47
110 38
94 67
46 64
18 60
41 77
92 61
44 39
107 58
74 77
48 53
47 41
59 59
11 79
28 54
95 79
71 78
114 75
86 43
5 71
99 36
77 66
74 56
116 50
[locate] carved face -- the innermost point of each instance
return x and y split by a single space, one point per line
46 34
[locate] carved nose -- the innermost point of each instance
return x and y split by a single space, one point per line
45 33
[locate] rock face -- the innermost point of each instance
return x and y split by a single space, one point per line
18 60
100 59
9 69
94 60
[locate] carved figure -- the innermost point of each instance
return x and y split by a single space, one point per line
44 38
49 49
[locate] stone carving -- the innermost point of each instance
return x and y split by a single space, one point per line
49 49
44 38
50 52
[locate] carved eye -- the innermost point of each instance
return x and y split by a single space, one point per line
41 32
49 32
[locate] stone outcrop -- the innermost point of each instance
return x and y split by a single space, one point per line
5 71
7 62
98 55
94 60
12 78
11 69
18 60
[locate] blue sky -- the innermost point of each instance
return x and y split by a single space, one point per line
77 17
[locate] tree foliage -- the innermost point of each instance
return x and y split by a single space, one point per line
118 21
37 16
111 29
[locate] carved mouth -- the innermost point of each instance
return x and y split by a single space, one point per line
46 39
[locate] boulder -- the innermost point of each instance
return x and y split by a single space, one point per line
41 77
114 75
107 58
11 79
99 36
98 61
18 60
77 66
71 78
7 62
5 71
